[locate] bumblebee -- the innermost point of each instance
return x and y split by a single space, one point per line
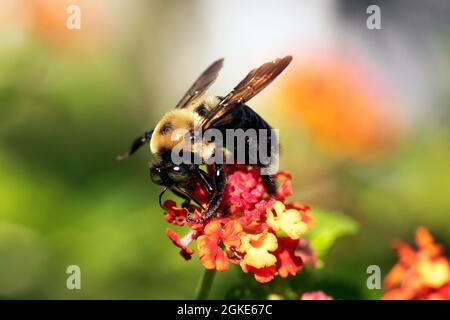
196 112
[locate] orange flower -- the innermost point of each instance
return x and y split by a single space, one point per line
420 274
215 236
425 243
337 102
47 19
434 273
258 257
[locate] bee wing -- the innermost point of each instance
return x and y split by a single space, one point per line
250 86
203 82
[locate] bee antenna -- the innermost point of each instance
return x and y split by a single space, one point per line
136 144
121 157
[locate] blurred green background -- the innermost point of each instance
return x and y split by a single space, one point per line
363 118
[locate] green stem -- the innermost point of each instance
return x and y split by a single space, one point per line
205 284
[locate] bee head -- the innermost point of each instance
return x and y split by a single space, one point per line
169 132
170 174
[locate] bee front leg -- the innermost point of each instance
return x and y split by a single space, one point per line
161 198
186 197
219 182
182 195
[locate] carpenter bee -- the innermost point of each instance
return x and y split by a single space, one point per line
197 113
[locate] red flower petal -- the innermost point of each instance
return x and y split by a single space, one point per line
182 243
173 214
289 263
285 185
262 275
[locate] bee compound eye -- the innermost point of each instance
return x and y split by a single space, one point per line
156 175
179 173
179 169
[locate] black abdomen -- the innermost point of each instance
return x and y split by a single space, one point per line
253 125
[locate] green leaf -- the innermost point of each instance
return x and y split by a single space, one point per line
328 227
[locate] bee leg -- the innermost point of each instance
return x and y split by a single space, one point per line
182 195
137 143
186 197
160 198
270 184
204 179
217 195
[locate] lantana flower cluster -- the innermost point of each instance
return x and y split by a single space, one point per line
260 233
422 274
